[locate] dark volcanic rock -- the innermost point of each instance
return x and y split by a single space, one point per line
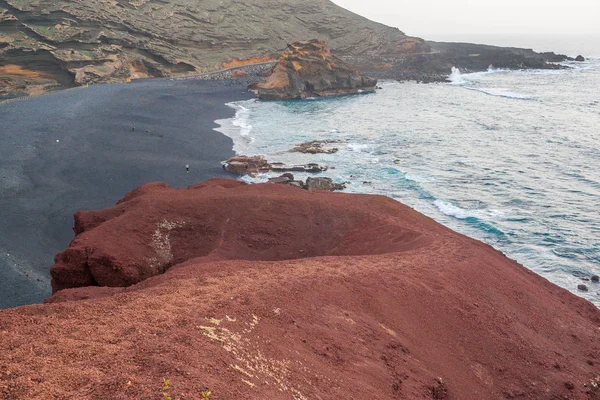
322 183
308 69
595 278
582 287
436 65
580 58
316 147
310 167
553 57
244 165
283 179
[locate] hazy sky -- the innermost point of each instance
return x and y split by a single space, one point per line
434 18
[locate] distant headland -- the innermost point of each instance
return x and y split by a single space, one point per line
48 45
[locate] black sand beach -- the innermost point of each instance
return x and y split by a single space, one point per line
76 150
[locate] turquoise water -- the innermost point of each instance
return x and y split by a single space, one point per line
509 158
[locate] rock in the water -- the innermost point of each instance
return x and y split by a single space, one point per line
283 179
298 184
322 183
310 167
308 69
582 287
244 165
595 278
580 58
316 147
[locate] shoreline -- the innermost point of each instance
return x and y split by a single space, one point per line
496 228
73 150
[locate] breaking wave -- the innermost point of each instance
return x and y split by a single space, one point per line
237 128
470 80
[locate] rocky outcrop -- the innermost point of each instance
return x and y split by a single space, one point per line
316 147
437 64
190 225
323 183
308 69
580 58
244 165
114 41
319 183
279 293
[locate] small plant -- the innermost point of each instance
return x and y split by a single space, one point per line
165 389
206 395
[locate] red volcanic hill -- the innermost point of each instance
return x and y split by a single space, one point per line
272 292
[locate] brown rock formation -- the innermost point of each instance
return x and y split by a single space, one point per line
308 69
316 147
279 293
79 42
245 165
323 183
319 183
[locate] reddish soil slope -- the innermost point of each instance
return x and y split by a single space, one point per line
279 293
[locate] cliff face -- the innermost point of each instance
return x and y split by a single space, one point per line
78 42
436 65
308 69
278 293
46 44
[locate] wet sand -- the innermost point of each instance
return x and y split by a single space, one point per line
76 150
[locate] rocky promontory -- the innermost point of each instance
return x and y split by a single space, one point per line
269 291
308 69
436 64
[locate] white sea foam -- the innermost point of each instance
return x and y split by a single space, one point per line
260 178
418 179
237 128
456 77
468 80
357 147
241 119
455 211
459 79
501 92
451 210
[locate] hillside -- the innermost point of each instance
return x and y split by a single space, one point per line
296 295
74 42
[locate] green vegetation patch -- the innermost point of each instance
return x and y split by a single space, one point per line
57 33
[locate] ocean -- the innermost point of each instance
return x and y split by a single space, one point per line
511 158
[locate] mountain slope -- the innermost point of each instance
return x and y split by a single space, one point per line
78 42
